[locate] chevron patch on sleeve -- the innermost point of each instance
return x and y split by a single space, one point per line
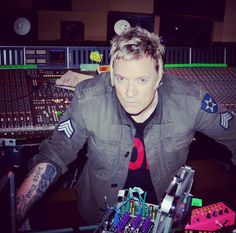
225 118
66 127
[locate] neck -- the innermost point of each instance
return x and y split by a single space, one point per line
147 112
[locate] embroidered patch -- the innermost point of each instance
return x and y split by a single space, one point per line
209 104
66 127
225 118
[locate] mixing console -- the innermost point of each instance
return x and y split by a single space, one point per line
220 82
30 103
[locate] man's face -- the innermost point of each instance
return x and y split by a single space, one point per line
136 82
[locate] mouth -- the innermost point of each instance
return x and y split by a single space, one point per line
131 103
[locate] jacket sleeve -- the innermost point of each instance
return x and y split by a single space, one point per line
68 138
216 122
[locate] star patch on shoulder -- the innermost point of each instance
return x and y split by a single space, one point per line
209 104
66 127
225 118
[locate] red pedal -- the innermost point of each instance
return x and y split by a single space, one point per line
212 217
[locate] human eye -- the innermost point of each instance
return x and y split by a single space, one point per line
142 80
119 78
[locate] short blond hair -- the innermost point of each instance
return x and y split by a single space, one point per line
136 43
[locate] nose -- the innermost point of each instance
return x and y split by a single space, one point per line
131 89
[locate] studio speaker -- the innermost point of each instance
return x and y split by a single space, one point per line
18 27
189 31
118 21
72 32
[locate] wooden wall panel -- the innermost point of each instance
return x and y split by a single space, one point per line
229 27
49 24
93 14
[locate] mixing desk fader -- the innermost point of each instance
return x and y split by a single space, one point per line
220 82
30 103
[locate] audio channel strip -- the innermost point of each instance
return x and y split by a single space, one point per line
30 103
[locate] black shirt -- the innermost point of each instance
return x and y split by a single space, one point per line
138 174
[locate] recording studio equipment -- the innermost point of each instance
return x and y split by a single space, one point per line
41 56
18 27
50 57
118 21
31 104
72 32
68 57
133 214
10 155
220 82
211 218
22 26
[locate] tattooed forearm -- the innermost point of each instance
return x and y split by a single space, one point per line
34 187
46 179
37 174
20 203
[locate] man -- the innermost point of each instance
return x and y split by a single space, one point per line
138 124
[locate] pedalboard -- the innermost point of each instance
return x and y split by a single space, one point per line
211 217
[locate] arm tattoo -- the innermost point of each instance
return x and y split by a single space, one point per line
46 179
41 182
20 203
